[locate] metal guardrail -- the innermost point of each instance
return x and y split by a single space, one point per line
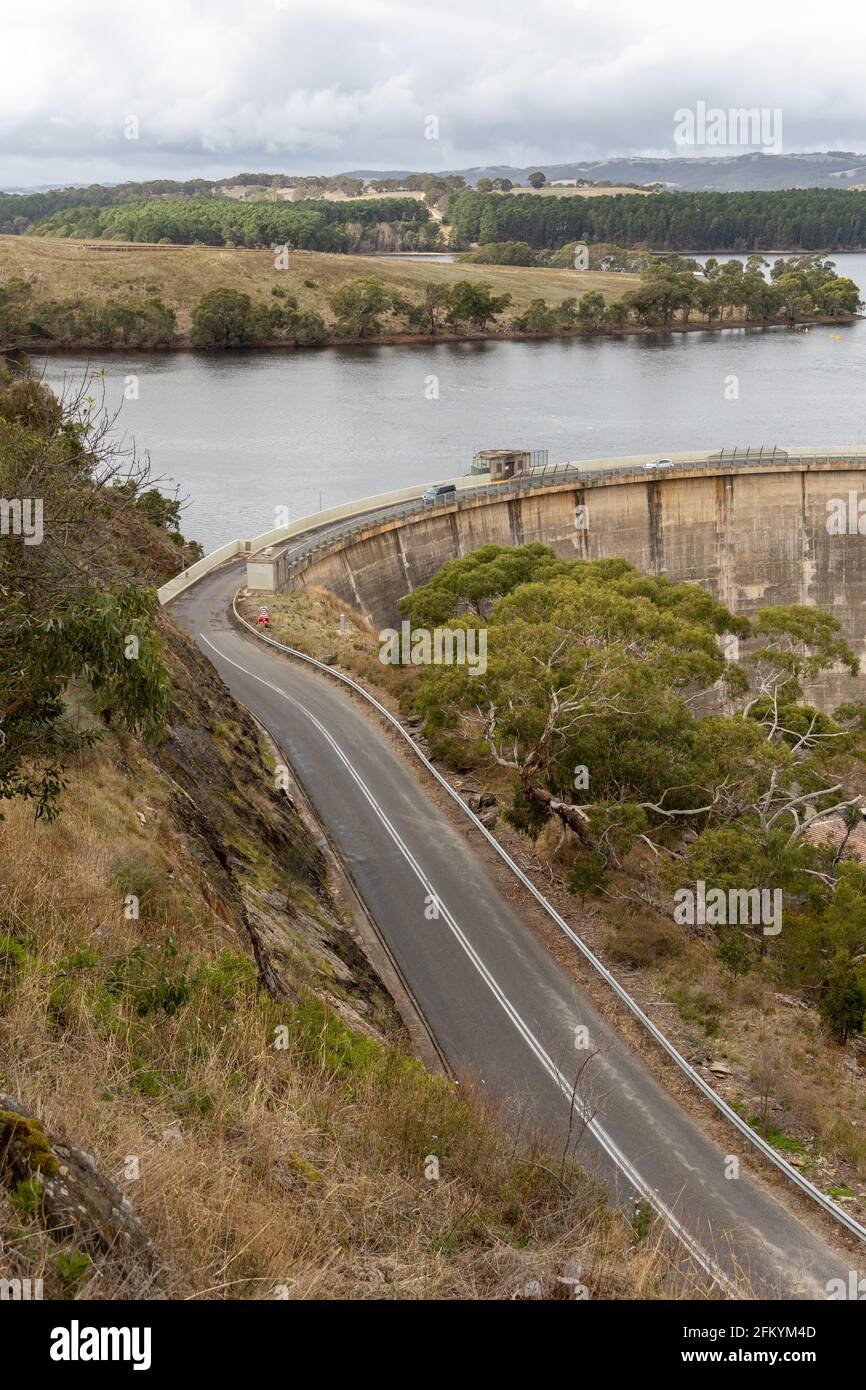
750 455
754 1139
547 476
278 537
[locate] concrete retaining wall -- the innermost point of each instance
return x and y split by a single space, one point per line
753 535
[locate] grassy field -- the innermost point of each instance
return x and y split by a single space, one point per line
180 275
550 192
275 195
245 193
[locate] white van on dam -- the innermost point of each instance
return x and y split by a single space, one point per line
440 492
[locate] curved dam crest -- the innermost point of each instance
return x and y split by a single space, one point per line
754 535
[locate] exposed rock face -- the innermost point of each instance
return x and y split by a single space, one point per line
239 847
246 843
76 1202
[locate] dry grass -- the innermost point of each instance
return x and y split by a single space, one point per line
180 275
816 1104
811 1100
549 192
247 193
310 620
260 1169
243 193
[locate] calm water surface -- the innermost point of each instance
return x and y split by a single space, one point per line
244 433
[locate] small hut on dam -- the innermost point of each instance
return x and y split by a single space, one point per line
502 463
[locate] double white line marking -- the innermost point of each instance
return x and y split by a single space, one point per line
602 1138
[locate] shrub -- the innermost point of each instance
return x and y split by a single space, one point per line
588 874
735 953
842 1005
643 942
26 1198
72 1265
156 979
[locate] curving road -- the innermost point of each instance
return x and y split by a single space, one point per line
497 1003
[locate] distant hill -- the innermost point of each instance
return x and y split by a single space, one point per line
734 173
740 173
47 187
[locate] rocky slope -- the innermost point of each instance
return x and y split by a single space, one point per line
206 1091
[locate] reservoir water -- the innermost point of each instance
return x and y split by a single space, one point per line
242 434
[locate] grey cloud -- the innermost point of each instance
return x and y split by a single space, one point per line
335 84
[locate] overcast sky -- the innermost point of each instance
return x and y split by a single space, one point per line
304 86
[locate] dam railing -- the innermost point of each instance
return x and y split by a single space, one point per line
549 475
320 529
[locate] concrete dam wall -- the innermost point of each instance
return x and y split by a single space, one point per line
754 535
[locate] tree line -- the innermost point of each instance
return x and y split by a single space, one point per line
227 318
809 219
670 290
798 286
314 225
129 320
674 287
19 212
601 255
793 219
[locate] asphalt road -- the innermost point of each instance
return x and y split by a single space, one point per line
498 1004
